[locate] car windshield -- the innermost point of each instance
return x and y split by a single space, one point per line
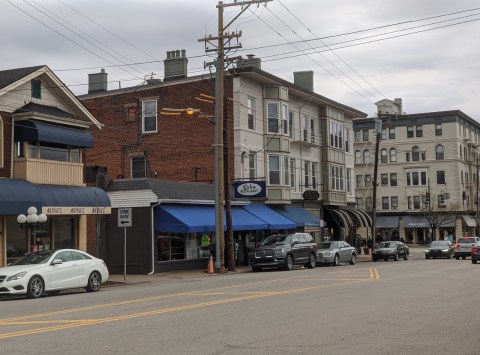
277 240
33 258
439 243
387 245
325 245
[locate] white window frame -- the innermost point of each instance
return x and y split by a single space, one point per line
277 171
293 173
286 170
306 177
273 118
314 176
337 178
252 165
251 113
148 115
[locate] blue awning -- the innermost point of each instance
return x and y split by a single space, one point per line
274 219
201 218
31 131
299 215
17 195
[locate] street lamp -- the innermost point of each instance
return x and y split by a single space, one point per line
33 220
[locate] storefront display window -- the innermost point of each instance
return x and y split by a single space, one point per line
64 233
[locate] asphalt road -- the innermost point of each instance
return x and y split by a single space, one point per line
417 307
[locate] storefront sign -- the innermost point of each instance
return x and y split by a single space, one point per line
75 210
311 195
205 240
249 189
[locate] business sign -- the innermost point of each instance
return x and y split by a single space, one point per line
311 195
75 210
249 189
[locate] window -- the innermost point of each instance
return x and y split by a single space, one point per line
385 203
273 116
439 152
441 201
393 155
347 140
50 151
394 202
359 179
410 132
391 133
393 179
313 132
285 118
368 180
407 156
314 176
251 112
171 248
139 167
415 154
149 116
292 173
384 179
366 156
416 202
368 203
252 165
358 157
416 178
36 86
419 131
337 178
360 205
349 180
358 136
286 170
384 134
438 129
306 182
336 135
290 123
274 169
365 135
441 177
384 156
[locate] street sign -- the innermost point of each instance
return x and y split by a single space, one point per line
124 217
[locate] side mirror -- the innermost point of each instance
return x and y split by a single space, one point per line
57 261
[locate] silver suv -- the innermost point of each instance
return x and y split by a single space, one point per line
463 247
284 251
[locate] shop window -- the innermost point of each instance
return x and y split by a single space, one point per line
171 248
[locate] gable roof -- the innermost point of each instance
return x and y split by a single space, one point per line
10 76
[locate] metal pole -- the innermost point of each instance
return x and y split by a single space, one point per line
429 201
478 227
378 130
124 254
219 184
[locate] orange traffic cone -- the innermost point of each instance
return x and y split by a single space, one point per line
210 266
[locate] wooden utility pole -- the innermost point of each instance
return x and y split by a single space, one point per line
378 132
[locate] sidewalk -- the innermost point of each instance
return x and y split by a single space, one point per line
119 280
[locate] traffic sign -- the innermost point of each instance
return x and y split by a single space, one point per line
124 217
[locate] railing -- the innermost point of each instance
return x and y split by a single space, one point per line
51 172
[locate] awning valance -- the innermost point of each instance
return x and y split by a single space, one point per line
469 220
201 218
299 215
386 222
31 131
362 217
274 219
340 216
415 222
16 196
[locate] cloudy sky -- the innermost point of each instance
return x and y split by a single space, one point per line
423 51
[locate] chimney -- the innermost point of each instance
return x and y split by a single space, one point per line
250 61
97 82
304 79
175 65
398 103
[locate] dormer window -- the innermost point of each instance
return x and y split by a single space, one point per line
36 89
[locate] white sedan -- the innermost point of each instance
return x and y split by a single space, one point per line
51 271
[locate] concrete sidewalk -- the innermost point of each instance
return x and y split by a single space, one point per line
130 279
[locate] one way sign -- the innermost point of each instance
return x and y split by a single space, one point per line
124 217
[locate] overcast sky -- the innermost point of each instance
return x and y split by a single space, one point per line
360 51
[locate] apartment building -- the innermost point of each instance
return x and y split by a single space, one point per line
427 178
289 152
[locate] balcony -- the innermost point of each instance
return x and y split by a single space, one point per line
50 172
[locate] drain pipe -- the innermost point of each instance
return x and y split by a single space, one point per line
153 236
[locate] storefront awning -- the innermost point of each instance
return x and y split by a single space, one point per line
31 131
17 195
201 218
274 219
445 221
415 222
362 217
469 220
299 215
342 217
386 222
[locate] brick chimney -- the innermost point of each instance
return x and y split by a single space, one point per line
97 82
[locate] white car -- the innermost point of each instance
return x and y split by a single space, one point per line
51 271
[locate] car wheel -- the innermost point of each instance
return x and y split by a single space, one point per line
395 257
474 261
289 264
94 282
353 260
312 261
336 260
35 287
256 268
464 257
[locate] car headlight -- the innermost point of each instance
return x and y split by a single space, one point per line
17 276
427 251
445 250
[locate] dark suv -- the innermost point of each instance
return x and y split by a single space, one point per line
284 251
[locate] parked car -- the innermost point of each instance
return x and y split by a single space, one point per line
475 253
336 252
390 250
463 247
284 251
439 249
52 271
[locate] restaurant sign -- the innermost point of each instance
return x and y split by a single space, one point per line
249 189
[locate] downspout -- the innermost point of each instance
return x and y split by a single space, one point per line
12 147
153 237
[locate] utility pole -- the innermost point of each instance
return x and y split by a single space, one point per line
428 200
378 132
219 117
478 226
